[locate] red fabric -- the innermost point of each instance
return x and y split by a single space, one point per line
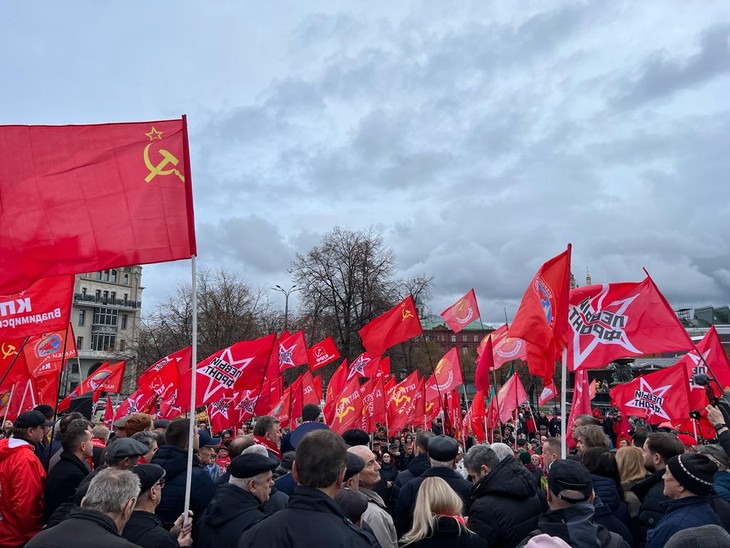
292 351
548 393
260 440
397 325
89 384
282 409
23 398
383 368
618 320
44 353
485 364
21 482
348 407
244 403
462 312
364 365
163 375
107 381
581 402
713 355
542 318
140 401
307 391
61 186
400 401
222 414
272 370
510 396
447 374
475 417
169 409
504 347
43 306
322 353
659 396
108 419
337 381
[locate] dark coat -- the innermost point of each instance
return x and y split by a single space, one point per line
285 484
448 533
174 460
228 515
507 504
312 520
389 473
606 489
83 529
682 514
604 516
416 467
147 530
575 526
651 494
407 497
62 482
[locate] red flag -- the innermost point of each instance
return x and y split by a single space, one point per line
510 396
240 366
245 403
306 392
397 325
140 401
712 355
383 368
447 374
504 347
61 185
475 418
163 375
492 412
364 366
169 408
542 318
659 396
44 353
108 419
485 364
462 312
348 409
24 399
337 382
581 402
221 414
109 380
322 353
272 370
292 351
401 401
618 320
42 307
549 392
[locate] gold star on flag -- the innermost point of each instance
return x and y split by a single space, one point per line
154 134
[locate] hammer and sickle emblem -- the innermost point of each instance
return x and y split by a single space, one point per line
440 366
8 350
405 314
167 158
344 412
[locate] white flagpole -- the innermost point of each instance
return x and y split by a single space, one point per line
193 372
563 398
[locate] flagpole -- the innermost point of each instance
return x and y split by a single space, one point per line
193 372
10 400
563 398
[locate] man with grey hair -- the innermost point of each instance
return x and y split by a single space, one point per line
237 505
507 500
276 500
104 512
502 450
442 452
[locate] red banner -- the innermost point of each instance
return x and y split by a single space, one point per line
364 365
42 307
322 353
447 374
397 325
462 312
504 347
87 198
44 353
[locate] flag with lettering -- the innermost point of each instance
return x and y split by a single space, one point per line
142 400
245 404
401 401
659 396
337 381
447 374
542 318
365 365
348 407
397 325
709 353
42 307
61 186
163 375
170 408
44 353
619 320
322 353
462 312
222 414
293 351
504 347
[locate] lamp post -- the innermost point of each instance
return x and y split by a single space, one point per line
286 293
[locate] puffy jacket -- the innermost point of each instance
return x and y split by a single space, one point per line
228 515
606 489
722 485
312 520
507 504
416 467
62 482
681 514
651 494
175 460
604 516
83 529
22 477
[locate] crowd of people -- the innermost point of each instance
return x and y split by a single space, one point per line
259 486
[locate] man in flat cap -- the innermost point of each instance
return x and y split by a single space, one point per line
144 528
238 504
442 452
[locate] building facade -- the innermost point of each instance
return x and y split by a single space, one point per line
106 319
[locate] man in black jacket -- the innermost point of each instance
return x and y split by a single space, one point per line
144 528
417 466
173 457
659 447
72 468
507 500
237 505
442 452
313 518
104 512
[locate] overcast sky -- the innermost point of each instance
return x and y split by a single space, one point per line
480 137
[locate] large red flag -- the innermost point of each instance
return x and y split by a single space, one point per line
292 351
462 312
475 418
109 380
397 325
712 356
618 320
364 365
402 400
659 396
485 364
542 318
163 375
42 307
222 414
44 353
61 186
447 374
510 396
140 401
581 402
322 353
504 347
348 408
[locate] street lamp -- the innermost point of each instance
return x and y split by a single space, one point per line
286 293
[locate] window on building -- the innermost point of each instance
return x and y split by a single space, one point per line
114 276
476 338
113 296
126 297
103 341
105 316
453 338
464 349
79 343
83 291
124 321
126 279
464 338
82 318
106 296
97 275
98 294
106 275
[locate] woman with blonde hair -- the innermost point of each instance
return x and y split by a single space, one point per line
630 462
437 519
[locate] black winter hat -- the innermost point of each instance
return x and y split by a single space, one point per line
570 475
443 448
354 437
694 471
251 464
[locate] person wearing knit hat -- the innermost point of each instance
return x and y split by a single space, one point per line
718 455
688 480
700 537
